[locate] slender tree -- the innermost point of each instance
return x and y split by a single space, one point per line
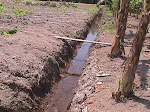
116 8
128 75
117 47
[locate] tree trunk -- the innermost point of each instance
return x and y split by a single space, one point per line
116 11
118 8
126 83
117 47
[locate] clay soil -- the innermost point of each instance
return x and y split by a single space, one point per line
32 60
94 93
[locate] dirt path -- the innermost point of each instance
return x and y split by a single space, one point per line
94 93
31 60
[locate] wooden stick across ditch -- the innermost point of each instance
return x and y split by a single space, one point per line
80 40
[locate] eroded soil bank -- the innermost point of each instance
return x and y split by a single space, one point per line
64 91
94 92
32 60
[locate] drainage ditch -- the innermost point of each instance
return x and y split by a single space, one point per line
64 92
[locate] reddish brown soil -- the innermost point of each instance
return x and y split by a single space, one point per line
91 97
31 60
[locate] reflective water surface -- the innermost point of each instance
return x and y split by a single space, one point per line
61 99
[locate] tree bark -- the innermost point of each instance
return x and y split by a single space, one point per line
118 8
126 85
117 47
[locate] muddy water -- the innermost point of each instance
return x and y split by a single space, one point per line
61 99
79 61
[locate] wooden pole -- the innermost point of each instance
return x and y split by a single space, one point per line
80 40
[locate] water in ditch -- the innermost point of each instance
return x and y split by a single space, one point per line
61 99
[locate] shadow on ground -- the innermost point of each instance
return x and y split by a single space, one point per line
129 37
142 101
142 71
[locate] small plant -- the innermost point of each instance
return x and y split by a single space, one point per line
5 33
28 1
123 98
10 32
2 9
13 5
49 1
57 7
78 32
64 9
121 82
135 86
18 12
30 10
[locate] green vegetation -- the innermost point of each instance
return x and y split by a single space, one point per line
123 98
115 4
94 10
108 26
2 9
136 6
116 7
108 14
64 9
78 32
57 7
49 1
17 0
13 5
61 9
71 33
77 1
30 10
28 1
9 32
18 11
134 87
121 82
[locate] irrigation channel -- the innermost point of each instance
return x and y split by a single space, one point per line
62 98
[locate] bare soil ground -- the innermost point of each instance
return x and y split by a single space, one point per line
31 59
94 93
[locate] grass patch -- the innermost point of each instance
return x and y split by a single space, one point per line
108 26
2 9
108 14
70 32
9 32
60 9
92 8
